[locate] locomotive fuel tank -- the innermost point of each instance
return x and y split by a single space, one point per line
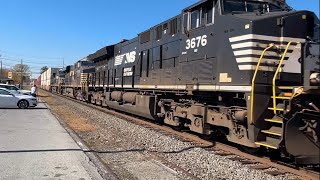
117 95
130 97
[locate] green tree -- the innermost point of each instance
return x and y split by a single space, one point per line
43 69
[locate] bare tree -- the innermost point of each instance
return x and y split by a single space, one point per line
4 73
20 72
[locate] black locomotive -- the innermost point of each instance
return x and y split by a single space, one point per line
247 70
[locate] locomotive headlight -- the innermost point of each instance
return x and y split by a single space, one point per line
315 79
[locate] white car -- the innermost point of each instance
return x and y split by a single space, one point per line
14 88
9 99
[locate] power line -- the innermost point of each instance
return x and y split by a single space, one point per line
26 62
19 55
34 66
6 65
30 59
9 59
16 60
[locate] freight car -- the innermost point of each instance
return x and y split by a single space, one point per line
48 78
247 70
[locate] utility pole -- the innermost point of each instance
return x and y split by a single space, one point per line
62 62
1 66
21 74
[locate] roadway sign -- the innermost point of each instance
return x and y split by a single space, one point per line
10 75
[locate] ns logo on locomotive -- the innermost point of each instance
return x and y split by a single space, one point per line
246 70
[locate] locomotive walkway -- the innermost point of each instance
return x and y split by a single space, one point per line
33 145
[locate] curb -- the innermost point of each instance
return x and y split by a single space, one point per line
103 169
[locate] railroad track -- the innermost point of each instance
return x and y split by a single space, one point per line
255 162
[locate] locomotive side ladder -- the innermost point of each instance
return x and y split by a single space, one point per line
272 137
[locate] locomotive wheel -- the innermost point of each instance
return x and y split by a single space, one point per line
178 128
209 137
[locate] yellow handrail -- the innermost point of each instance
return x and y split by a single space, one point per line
253 81
275 77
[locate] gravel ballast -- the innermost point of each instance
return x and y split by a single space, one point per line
124 146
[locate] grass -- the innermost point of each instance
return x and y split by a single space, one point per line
26 88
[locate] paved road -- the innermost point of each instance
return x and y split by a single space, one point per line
33 145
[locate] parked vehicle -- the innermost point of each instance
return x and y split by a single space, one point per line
9 99
14 88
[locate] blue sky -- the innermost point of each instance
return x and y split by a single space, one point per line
44 32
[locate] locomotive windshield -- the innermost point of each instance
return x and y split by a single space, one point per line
236 6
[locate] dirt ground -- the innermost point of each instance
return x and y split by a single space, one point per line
74 121
117 150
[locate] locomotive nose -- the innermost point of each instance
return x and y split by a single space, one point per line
311 65
297 24
303 22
